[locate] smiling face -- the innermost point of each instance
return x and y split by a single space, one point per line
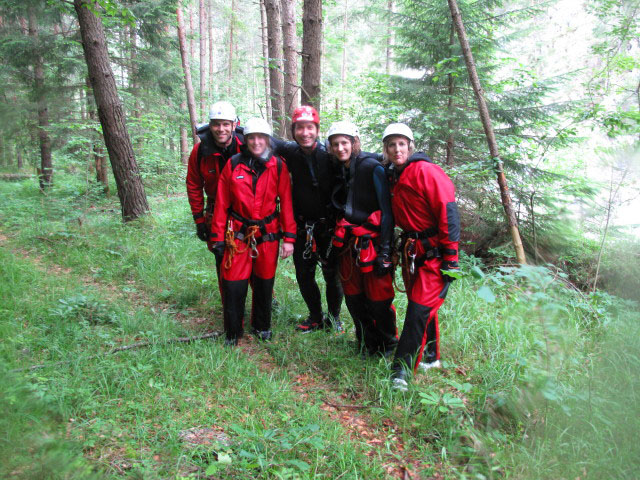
341 147
305 133
397 148
222 131
257 143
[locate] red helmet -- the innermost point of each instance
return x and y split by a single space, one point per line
305 113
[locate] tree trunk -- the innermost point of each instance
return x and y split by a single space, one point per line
311 52
45 171
203 60
231 45
19 158
191 102
343 69
192 54
265 56
451 92
184 147
290 60
210 31
131 193
100 161
275 65
387 65
133 71
488 130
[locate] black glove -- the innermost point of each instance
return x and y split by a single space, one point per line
202 232
218 251
448 265
383 264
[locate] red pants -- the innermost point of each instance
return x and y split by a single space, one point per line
244 270
426 292
369 299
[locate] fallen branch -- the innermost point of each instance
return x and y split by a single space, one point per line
123 348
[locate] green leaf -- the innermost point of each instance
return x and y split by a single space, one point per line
224 459
429 398
477 272
299 464
486 294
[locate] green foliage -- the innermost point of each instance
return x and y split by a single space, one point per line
509 366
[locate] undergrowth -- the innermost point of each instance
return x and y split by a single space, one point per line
539 380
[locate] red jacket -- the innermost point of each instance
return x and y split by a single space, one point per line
423 197
203 174
251 192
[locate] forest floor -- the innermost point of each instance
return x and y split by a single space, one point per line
78 286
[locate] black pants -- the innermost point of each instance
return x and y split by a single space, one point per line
306 273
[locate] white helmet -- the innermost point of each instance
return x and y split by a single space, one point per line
257 125
343 128
222 111
397 129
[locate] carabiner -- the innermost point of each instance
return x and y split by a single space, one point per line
254 248
411 254
308 246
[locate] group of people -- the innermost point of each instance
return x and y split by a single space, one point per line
255 197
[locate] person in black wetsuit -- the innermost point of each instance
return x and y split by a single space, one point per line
313 177
362 240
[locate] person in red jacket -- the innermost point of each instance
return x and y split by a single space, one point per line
424 207
208 157
247 227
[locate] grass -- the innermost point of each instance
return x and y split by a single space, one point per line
526 392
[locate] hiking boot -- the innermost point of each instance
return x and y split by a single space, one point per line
332 323
263 335
423 366
230 342
399 381
311 325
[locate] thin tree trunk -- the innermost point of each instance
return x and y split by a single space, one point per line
343 69
19 157
533 226
203 60
275 65
451 91
231 45
133 71
210 20
311 52
184 148
488 130
265 58
612 198
100 161
290 60
191 103
192 50
131 193
387 65
45 172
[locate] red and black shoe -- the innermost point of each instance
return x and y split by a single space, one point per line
311 325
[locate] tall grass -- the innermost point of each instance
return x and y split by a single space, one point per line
539 381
